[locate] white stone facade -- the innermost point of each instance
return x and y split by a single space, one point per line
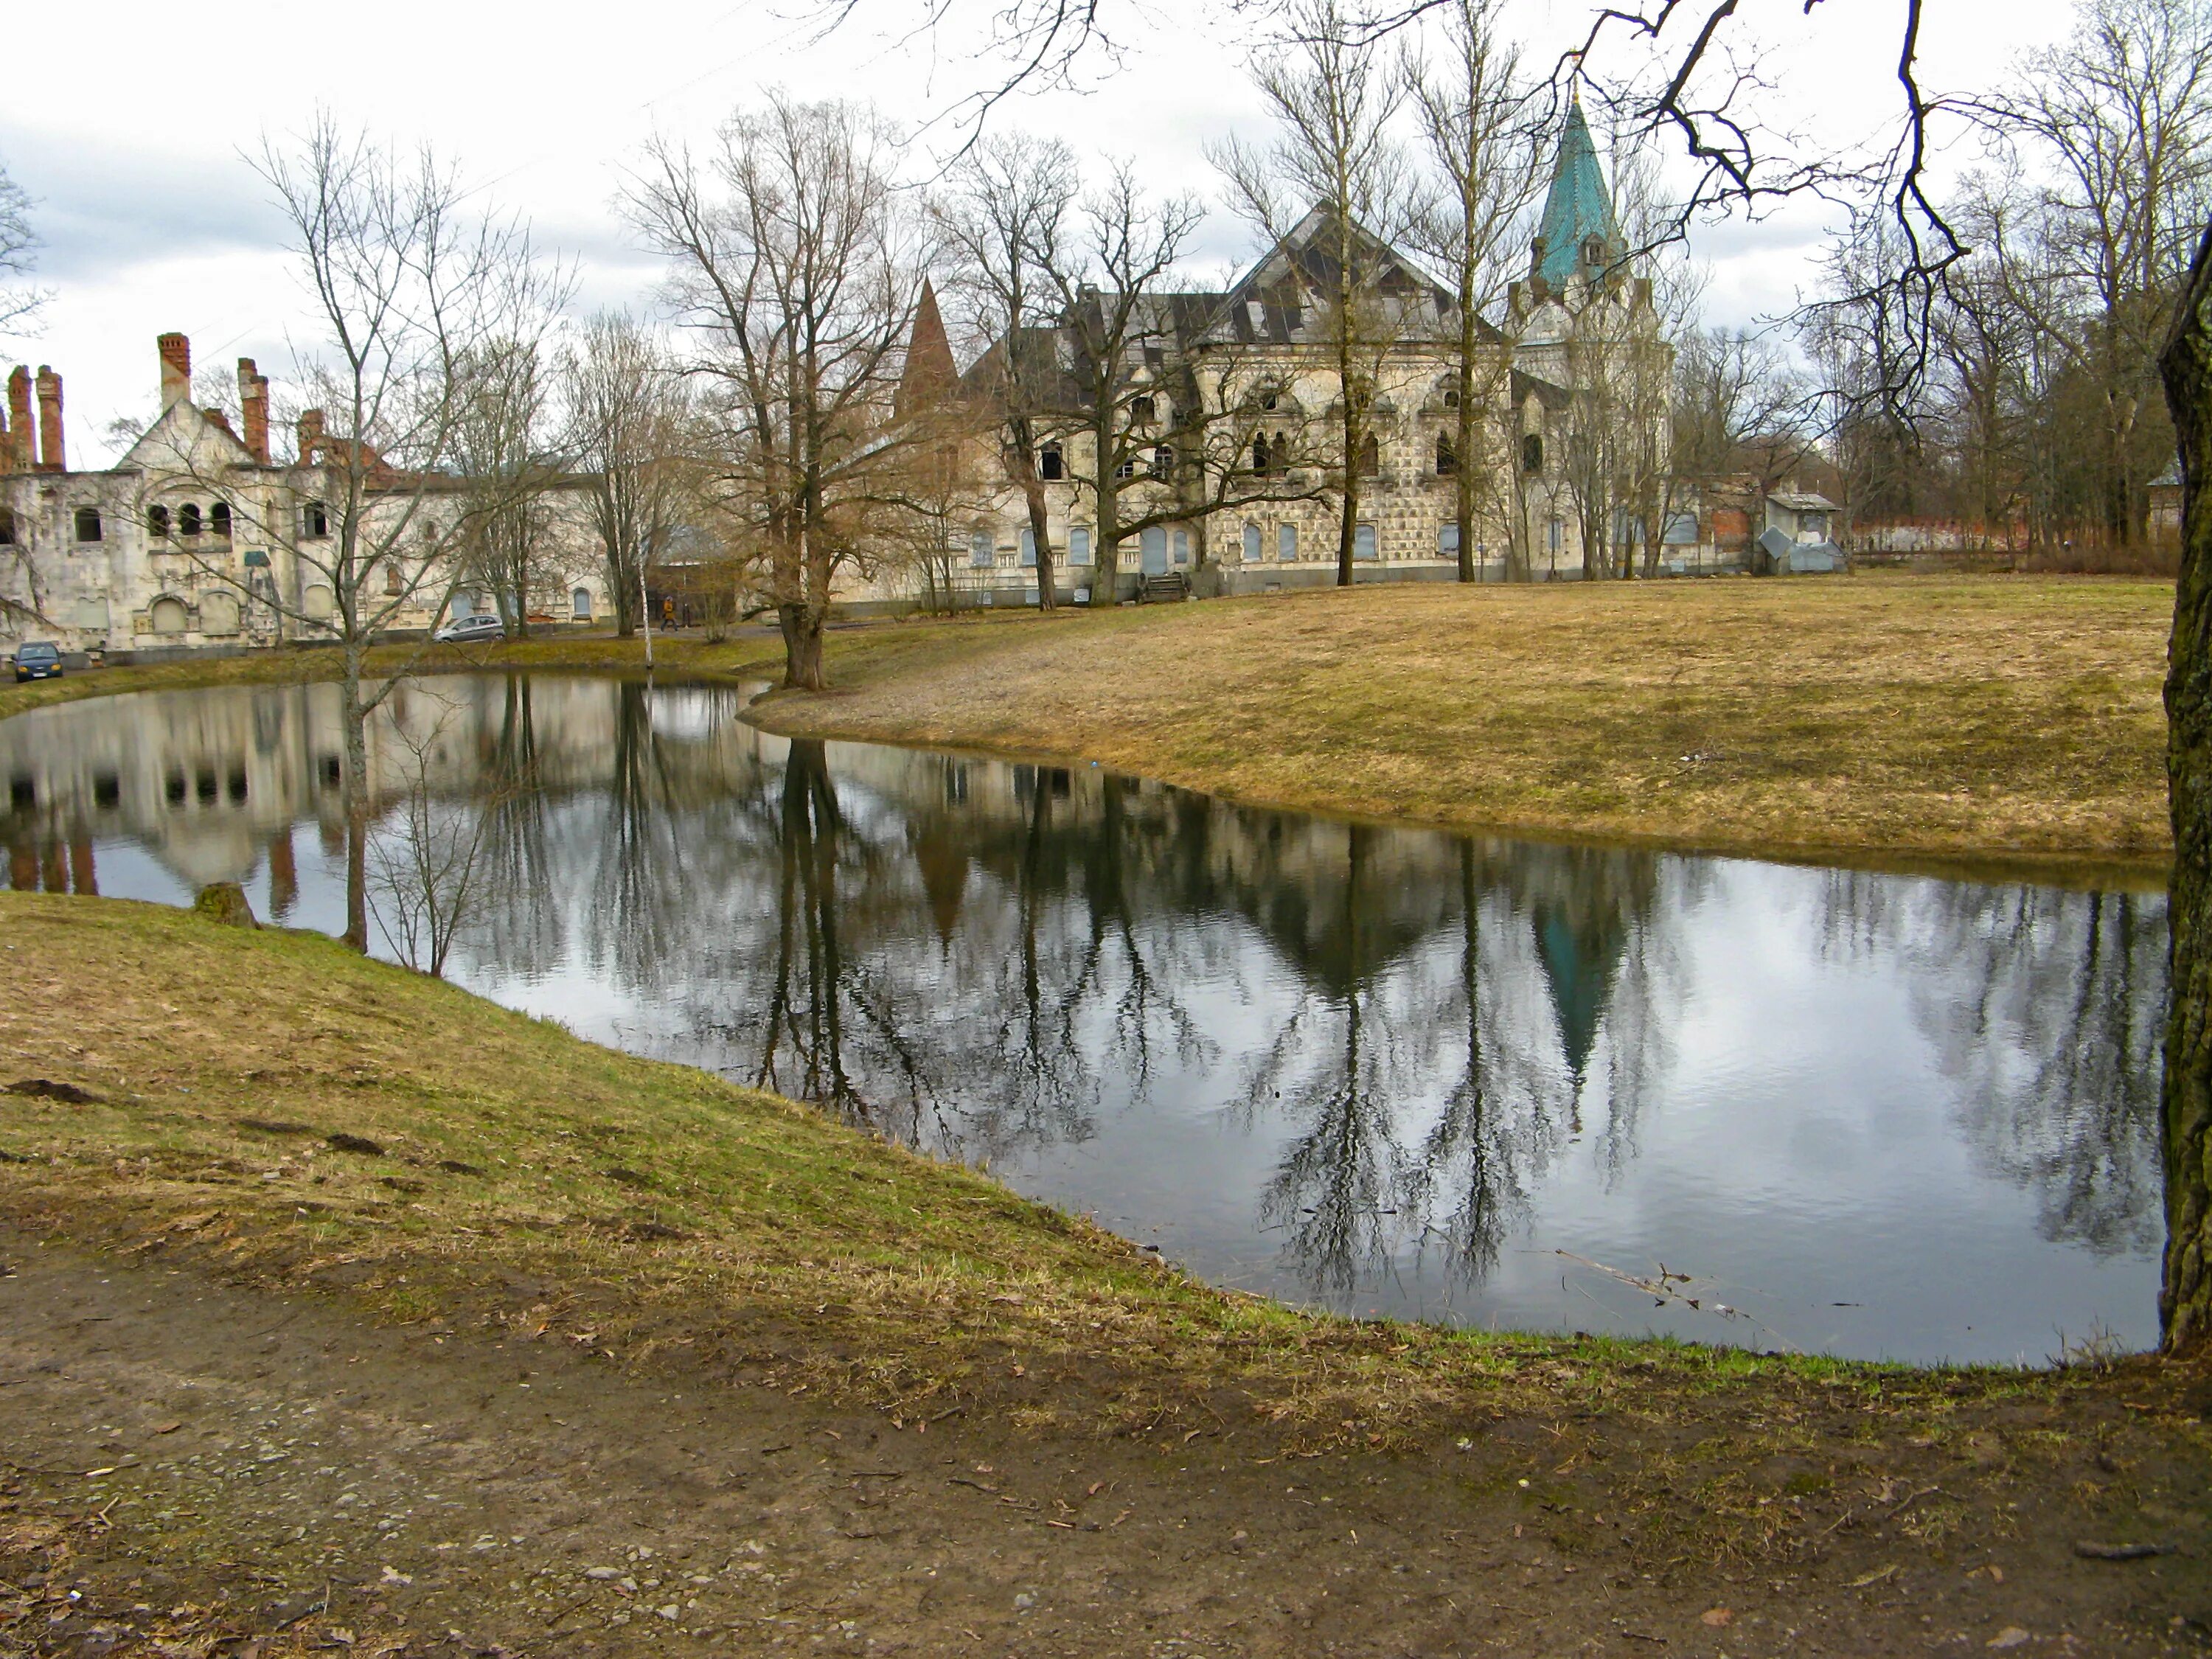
197 538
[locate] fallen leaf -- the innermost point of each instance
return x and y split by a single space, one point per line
1873 1577
1716 1617
166 1428
2010 1637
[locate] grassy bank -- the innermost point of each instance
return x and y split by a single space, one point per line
298 1118
2006 718
1994 716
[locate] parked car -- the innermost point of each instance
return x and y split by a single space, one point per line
39 660
469 630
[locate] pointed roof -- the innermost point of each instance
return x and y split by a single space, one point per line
930 374
1578 208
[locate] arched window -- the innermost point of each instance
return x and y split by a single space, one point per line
580 605
1532 453
219 520
1262 456
87 523
218 613
1028 548
1592 250
1447 458
167 616
318 602
1364 543
394 583
1286 541
1182 547
1251 543
157 521
1370 457
188 519
1451 397
1078 545
978 550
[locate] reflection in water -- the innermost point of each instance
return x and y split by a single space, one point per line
1380 1069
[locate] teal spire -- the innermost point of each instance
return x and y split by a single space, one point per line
1579 213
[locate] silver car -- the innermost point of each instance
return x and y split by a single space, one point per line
469 630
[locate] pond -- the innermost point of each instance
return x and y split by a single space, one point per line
1381 1071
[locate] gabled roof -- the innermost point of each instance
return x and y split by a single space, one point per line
1269 304
1578 208
185 440
1801 500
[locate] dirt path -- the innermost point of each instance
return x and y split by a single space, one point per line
277 1476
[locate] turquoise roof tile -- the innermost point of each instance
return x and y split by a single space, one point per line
1578 208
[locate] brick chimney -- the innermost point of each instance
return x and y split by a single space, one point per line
176 367
20 452
311 435
50 421
253 409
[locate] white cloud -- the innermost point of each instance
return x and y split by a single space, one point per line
153 220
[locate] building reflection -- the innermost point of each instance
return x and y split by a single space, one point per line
992 961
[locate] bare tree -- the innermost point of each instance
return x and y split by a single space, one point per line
1472 108
412 291
430 861
627 414
1003 219
19 246
1336 154
1741 424
507 469
2115 130
794 265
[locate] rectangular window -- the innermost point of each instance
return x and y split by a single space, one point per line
1028 548
978 550
314 521
1182 547
1286 541
1052 465
1251 543
1557 526
1078 546
1447 541
1364 544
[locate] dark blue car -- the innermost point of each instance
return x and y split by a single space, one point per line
38 662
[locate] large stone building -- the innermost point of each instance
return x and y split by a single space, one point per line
1263 345
201 536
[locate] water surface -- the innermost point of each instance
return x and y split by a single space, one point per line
1383 1071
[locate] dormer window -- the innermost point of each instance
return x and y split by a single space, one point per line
1594 250
1271 401
1141 411
157 521
188 519
1451 397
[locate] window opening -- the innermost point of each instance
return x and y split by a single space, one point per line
314 521
1447 458
1078 546
1370 457
1286 541
87 523
1532 453
1364 544
219 520
1052 464
157 521
188 519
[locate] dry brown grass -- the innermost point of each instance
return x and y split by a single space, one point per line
1979 716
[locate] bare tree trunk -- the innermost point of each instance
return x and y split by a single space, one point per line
802 646
355 785
1039 537
2185 1295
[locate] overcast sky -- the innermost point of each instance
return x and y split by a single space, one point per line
130 130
